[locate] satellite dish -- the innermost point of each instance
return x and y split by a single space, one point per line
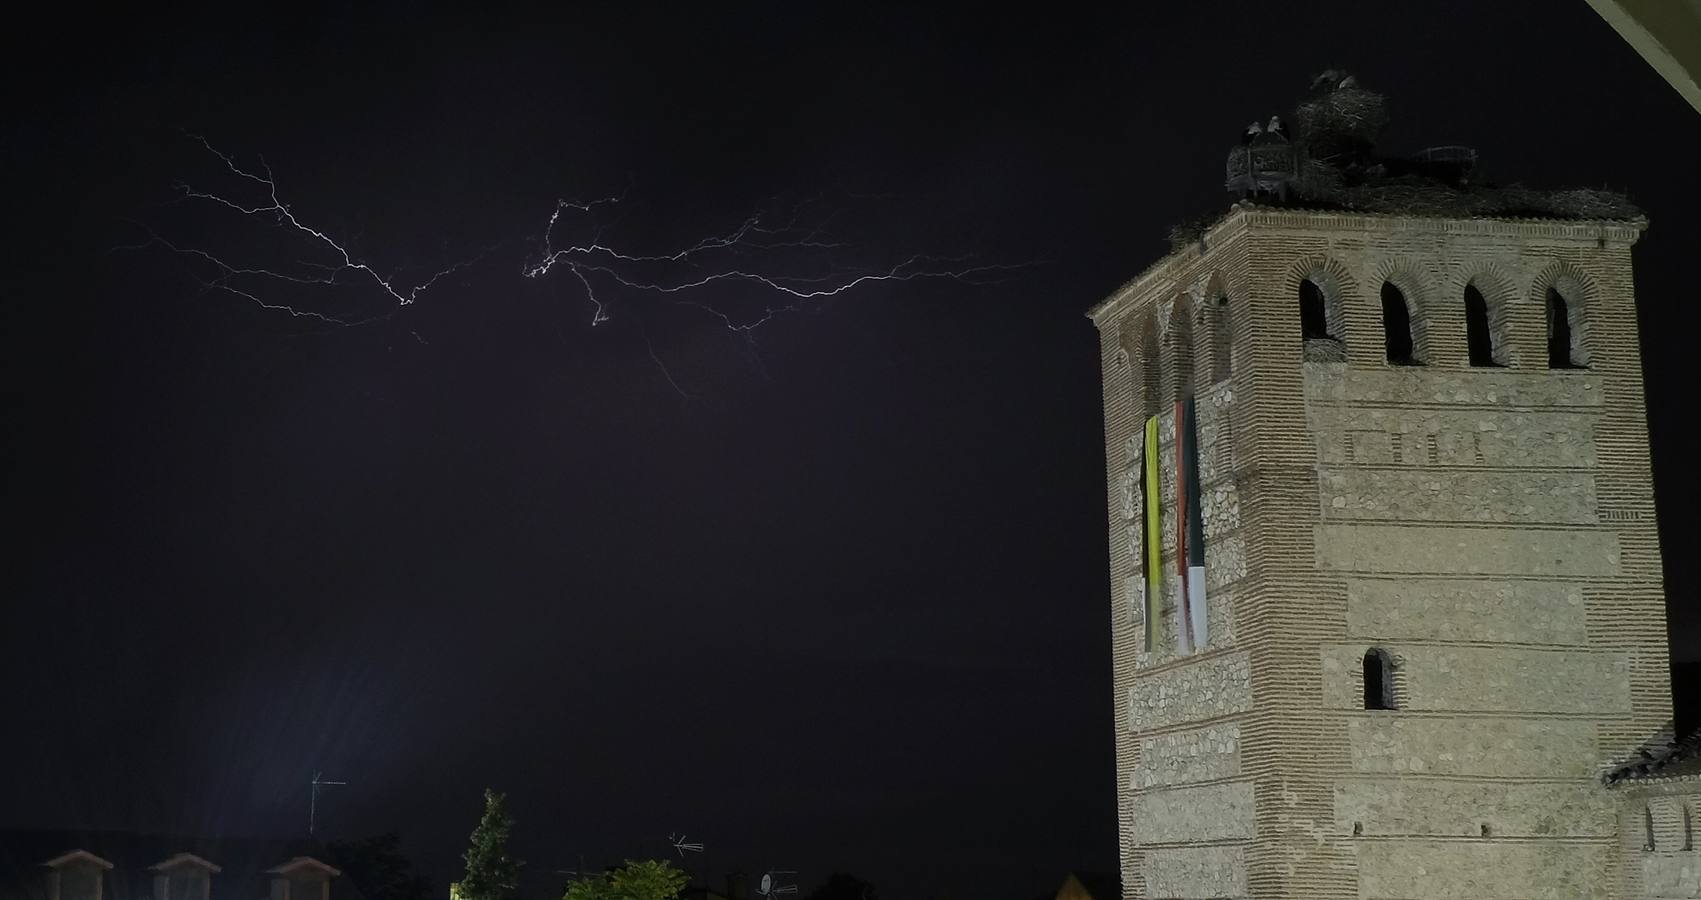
770 886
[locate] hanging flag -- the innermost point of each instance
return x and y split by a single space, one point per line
1191 531
1184 613
1152 560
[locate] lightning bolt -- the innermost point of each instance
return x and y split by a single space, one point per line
788 264
750 237
249 282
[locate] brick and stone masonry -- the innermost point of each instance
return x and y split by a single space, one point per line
1490 529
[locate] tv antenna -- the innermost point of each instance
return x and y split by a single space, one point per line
777 883
576 874
313 804
683 846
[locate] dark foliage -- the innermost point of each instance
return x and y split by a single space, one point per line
842 886
377 866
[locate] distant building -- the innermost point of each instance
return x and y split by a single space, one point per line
1386 594
74 865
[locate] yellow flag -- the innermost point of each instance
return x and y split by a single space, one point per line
1153 542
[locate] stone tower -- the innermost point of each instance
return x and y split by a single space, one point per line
1432 577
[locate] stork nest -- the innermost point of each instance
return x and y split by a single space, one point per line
1350 111
1427 197
1191 232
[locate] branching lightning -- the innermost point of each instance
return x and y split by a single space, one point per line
750 238
246 281
787 264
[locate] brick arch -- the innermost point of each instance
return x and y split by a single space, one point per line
1126 342
1153 376
1416 283
1581 295
1128 355
1499 289
1334 282
1218 314
1179 345
1140 347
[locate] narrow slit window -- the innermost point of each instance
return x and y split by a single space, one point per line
1397 326
1560 344
1222 341
1378 679
1648 828
1313 312
1479 337
1688 829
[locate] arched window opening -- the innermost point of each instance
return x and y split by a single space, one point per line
1561 342
1648 828
1479 336
1378 679
1397 326
1222 340
1313 312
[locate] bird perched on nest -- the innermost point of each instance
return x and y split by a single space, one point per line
1333 80
1275 128
1251 134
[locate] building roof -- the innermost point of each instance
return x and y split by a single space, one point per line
179 860
242 866
76 856
1666 34
1419 196
303 864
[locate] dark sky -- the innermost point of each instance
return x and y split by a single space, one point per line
843 605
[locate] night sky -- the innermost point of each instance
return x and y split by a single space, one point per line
839 601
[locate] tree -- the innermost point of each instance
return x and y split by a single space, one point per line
840 886
646 880
376 866
491 873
